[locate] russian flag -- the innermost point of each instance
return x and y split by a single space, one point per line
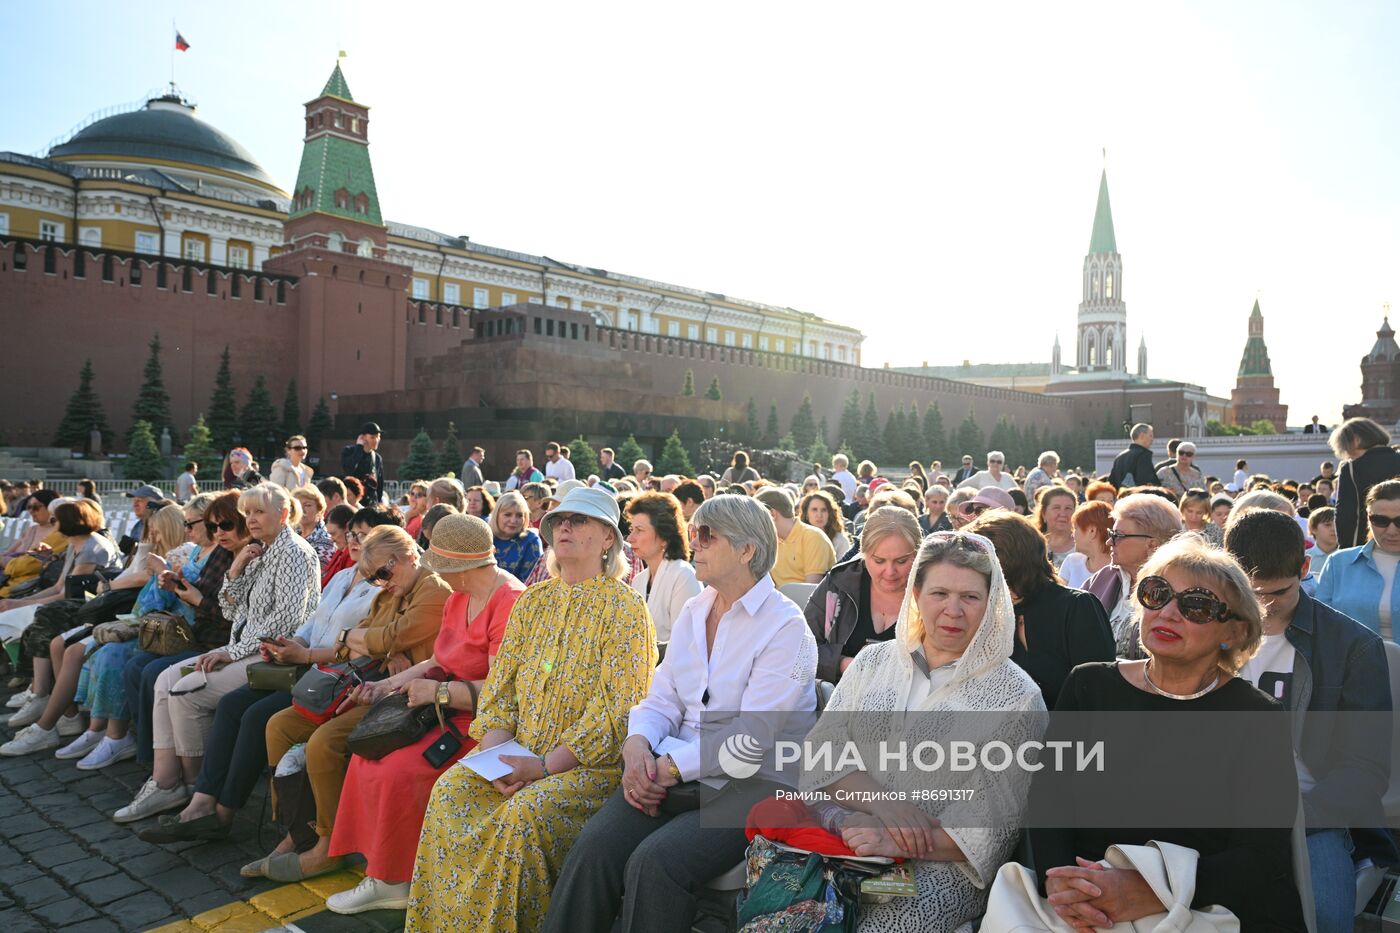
180 44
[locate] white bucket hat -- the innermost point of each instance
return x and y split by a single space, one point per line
595 503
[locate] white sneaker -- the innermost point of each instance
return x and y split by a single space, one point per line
108 752
69 726
150 800
19 699
29 713
28 740
370 894
79 746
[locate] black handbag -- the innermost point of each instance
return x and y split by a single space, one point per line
389 726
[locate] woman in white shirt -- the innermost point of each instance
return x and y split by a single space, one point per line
657 534
290 472
739 645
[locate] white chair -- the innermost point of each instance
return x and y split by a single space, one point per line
798 592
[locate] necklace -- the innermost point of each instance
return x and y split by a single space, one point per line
1147 676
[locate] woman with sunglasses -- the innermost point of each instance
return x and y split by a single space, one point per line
950 656
399 631
578 653
1359 581
39 545
235 752
518 545
338 521
1200 623
417 507
1141 524
290 472
272 585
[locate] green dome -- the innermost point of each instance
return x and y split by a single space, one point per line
167 129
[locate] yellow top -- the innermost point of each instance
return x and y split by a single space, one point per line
804 551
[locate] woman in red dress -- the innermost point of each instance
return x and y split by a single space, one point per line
382 805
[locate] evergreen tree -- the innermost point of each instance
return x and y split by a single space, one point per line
583 457
787 443
845 450
890 438
674 459
143 462
84 412
1034 444
689 388
770 432
823 433
819 453
752 432
258 423
970 438
291 411
422 461
199 447
713 391
629 453
934 441
1002 439
320 425
849 427
870 442
1109 428
153 402
803 426
223 406
450 457
914 436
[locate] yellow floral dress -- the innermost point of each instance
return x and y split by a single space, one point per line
573 663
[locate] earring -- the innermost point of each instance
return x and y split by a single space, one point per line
1224 646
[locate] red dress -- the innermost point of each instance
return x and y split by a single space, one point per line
382 805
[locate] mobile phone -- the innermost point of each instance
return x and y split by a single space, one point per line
269 640
180 582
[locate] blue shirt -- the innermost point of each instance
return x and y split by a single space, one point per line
1352 585
518 555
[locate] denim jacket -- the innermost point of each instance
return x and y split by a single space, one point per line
1352 585
1344 669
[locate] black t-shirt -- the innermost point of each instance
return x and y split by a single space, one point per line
865 622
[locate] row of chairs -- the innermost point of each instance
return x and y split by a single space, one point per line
119 522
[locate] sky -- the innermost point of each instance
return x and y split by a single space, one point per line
926 172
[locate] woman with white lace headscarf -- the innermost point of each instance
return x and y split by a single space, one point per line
949 661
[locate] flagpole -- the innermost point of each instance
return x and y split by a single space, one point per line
175 32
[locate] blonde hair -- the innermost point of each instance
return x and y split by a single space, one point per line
165 529
508 500
200 503
312 494
1193 556
1158 517
382 543
886 522
270 497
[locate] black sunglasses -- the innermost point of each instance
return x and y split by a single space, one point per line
382 575
197 521
1119 535
227 524
1381 521
296 448
1197 604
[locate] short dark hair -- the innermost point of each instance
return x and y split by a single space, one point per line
1383 492
1321 516
374 516
1241 464
552 445
689 491
1020 550
341 516
664 512
44 496
353 485
190 465
1269 545
1172 445
224 508
77 517
331 486
741 460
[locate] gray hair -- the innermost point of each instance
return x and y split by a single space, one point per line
1261 499
778 500
450 491
1139 430
960 495
1357 432
890 521
1186 447
1049 457
270 497
641 465
742 520
1156 515
996 455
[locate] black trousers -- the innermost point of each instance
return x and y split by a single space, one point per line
645 869
235 754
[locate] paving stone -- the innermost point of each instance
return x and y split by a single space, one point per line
43 784
138 911
180 883
216 916
108 889
286 900
11 805
50 803
20 771
229 878
110 801
204 902
79 814
9 856
67 911
123 847
37 892
24 871
144 866
17 921
96 832
59 855
88 869
331 922
93 926
212 855
6 903
24 823
90 784
45 839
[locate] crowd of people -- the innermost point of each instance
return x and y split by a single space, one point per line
357 648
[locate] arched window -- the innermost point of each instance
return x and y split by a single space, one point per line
1108 286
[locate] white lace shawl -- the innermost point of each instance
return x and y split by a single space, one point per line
877 685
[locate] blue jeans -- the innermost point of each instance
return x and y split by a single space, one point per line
1333 879
139 679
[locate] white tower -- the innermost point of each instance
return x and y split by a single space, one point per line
1103 317
1142 359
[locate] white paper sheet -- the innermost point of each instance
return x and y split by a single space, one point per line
488 764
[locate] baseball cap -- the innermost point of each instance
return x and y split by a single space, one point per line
146 491
369 427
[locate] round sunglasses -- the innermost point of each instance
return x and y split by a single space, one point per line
1197 604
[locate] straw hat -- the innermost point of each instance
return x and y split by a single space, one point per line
460 542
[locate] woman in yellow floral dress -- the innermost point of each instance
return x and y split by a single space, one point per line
578 654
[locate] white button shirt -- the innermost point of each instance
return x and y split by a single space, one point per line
764 659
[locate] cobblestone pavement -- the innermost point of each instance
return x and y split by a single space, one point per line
64 864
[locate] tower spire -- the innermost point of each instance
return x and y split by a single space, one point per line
1102 239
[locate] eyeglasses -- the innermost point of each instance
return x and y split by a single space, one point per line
355 536
572 519
33 507
1115 535
974 508
702 535
382 575
296 448
1197 604
1381 521
227 524
996 461
418 495
197 521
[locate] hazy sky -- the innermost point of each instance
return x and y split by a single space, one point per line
925 172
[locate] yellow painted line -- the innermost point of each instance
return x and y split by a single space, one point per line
268 909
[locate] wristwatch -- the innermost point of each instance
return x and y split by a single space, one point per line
444 694
671 767
342 650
